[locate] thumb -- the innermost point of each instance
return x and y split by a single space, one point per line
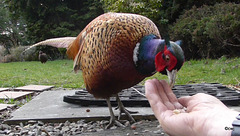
184 100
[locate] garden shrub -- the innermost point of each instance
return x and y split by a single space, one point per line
209 31
16 55
2 53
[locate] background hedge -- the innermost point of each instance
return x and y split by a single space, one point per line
209 31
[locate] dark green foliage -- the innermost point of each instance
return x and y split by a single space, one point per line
162 13
172 9
63 52
149 8
12 30
55 18
210 31
30 21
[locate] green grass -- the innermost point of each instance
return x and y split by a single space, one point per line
16 102
7 101
60 74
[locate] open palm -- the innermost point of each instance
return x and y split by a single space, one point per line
205 115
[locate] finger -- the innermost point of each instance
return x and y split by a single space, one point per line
188 102
185 100
163 95
154 98
152 91
170 95
195 99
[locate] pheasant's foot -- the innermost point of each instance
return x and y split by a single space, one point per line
112 117
122 109
112 122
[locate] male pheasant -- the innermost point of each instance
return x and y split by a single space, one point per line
118 50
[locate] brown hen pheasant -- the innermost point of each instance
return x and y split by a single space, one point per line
42 57
116 51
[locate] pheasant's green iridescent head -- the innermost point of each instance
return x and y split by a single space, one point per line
152 55
170 58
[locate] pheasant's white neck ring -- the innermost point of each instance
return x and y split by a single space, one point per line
135 53
144 54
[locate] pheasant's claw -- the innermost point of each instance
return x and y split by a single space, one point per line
112 117
127 112
132 112
122 109
116 108
112 122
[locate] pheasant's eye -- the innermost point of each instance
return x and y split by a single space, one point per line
167 58
163 56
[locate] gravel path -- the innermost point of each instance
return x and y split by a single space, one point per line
35 128
81 127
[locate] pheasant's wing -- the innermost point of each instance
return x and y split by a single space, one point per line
75 49
107 29
105 51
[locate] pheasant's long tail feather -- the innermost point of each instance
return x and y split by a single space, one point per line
62 42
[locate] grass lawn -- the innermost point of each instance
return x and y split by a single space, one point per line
60 74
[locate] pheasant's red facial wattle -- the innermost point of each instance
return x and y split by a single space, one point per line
172 61
160 62
165 59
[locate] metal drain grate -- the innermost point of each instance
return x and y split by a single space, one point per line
131 98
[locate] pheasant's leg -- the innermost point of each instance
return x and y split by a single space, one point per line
112 118
131 112
122 109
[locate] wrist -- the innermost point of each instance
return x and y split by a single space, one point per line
222 125
236 126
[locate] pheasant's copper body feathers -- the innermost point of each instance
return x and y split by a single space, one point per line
104 50
116 51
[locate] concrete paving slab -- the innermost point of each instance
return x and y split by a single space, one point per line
37 88
237 108
49 107
4 89
5 106
13 95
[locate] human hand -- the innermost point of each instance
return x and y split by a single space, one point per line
205 115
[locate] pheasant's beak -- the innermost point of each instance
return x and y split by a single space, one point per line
171 77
